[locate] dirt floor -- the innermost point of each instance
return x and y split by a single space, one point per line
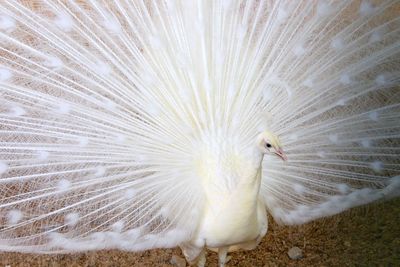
367 236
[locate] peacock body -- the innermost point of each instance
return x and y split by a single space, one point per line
144 124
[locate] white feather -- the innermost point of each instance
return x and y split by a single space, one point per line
131 124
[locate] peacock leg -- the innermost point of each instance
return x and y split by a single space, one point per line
194 255
201 262
222 252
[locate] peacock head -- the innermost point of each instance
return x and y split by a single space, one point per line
269 143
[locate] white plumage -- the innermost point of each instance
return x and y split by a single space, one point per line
144 124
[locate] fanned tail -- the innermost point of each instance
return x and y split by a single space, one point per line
339 126
104 105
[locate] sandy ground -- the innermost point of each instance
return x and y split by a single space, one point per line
366 236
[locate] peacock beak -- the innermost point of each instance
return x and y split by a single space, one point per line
279 152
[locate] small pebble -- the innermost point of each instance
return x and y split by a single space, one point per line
178 261
347 244
295 253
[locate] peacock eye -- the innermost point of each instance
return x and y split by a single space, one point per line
268 145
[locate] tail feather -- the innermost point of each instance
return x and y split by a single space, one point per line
103 107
